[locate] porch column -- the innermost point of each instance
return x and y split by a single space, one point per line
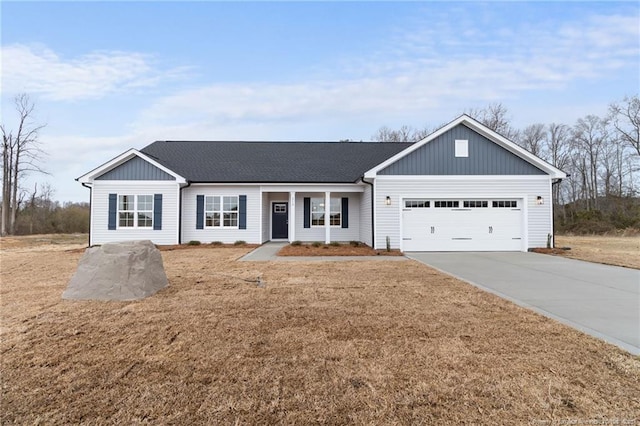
327 212
292 216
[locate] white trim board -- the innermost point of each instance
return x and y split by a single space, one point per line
462 177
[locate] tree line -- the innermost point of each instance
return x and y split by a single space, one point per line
601 155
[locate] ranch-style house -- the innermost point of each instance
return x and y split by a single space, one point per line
462 188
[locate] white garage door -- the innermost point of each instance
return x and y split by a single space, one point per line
462 225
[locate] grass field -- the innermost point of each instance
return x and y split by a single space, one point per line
371 342
619 251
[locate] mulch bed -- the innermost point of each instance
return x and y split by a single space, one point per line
210 246
334 250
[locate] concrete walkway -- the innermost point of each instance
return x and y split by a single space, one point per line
267 253
600 300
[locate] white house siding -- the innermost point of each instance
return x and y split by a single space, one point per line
538 217
365 216
317 233
266 213
250 235
100 233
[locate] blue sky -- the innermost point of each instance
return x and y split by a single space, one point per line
108 76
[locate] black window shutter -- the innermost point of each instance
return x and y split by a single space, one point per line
199 211
157 212
345 212
307 212
113 211
242 212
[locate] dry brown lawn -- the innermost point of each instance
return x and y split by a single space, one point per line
611 250
370 342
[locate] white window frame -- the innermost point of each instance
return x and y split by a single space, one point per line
335 212
135 211
220 205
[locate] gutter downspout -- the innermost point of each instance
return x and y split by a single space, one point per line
90 209
373 223
553 213
180 212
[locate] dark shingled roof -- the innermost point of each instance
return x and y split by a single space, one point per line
278 162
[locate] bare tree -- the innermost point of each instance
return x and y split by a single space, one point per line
495 117
558 149
404 134
532 139
21 153
625 117
590 134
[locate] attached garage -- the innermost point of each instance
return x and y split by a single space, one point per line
463 188
467 224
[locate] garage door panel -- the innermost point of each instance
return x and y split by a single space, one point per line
462 229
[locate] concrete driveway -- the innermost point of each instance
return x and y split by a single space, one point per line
600 300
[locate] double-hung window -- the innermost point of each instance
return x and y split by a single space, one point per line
135 211
318 212
221 211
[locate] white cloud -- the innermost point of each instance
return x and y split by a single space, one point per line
421 71
39 70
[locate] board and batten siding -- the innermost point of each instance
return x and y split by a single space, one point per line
250 235
437 157
317 233
136 169
100 233
538 221
366 225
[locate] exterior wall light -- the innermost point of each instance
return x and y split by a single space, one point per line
539 200
387 201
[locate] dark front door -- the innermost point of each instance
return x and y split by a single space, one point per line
279 220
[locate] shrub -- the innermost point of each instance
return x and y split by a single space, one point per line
355 243
216 243
334 244
316 243
239 243
296 243
194 243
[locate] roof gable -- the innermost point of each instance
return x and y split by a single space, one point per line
481 130
438 158
136 169
125 167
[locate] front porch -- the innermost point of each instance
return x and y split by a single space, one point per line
313 214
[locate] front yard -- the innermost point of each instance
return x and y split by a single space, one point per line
368 342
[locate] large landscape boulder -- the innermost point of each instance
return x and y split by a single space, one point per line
130 270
